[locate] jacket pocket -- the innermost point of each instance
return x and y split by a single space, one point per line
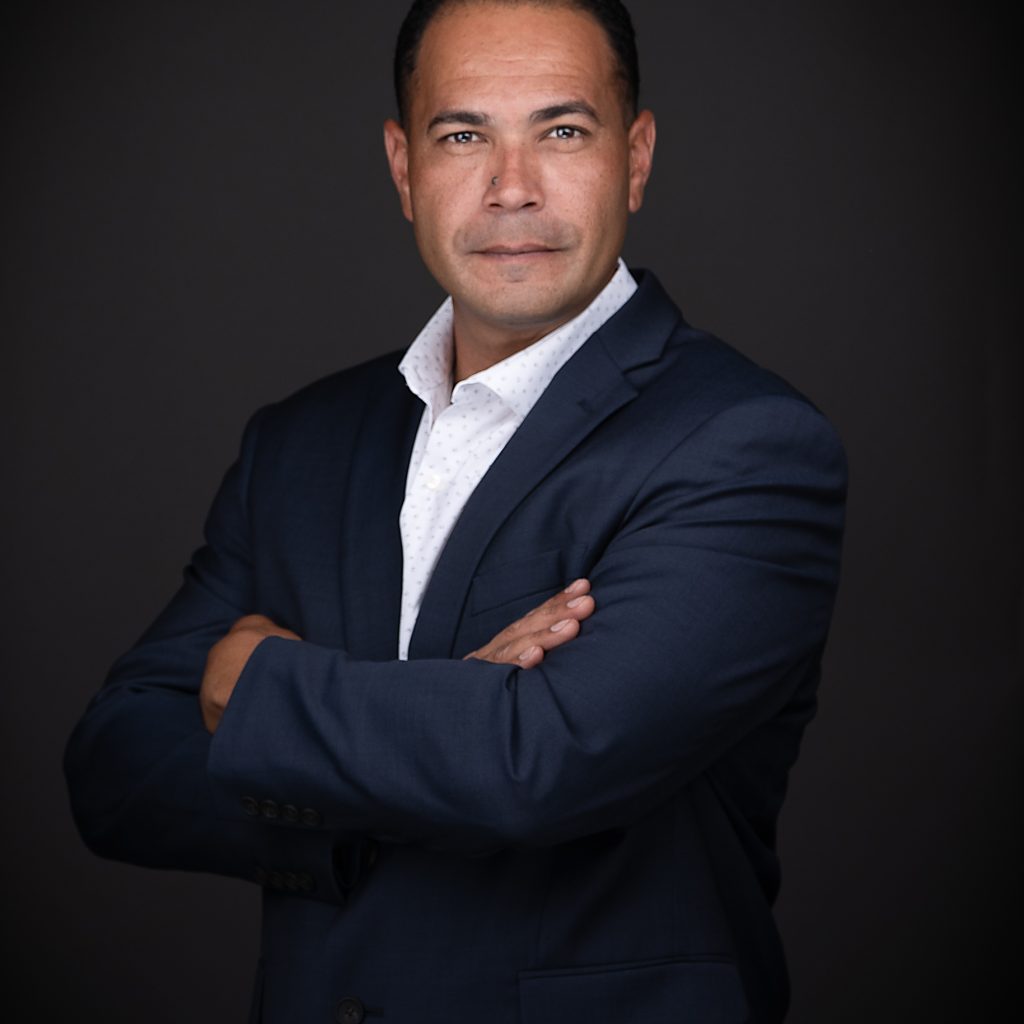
536 578
670 991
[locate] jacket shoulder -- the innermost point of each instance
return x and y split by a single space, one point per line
700 378
706 363
343 397
667 359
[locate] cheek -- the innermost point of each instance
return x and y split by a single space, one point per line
593 194
601 206
438 208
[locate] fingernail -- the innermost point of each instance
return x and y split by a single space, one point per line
527 654
559 626
576 602
575 587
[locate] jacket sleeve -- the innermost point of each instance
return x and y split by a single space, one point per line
136 764
713 604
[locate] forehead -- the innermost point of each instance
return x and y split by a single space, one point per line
496 50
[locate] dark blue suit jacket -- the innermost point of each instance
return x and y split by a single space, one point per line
443 840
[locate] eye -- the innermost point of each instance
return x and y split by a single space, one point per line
462 138
566 133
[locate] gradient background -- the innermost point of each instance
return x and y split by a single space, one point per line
197 219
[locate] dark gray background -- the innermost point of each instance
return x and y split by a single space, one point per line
197 219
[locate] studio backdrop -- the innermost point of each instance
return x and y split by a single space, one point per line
197 219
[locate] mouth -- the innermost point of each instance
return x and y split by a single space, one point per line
525 250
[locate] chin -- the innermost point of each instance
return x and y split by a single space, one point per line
523 314
528 304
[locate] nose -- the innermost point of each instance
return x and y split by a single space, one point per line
513 181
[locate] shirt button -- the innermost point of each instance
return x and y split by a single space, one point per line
433 481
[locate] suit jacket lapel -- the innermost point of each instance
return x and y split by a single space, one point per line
371 562
584 393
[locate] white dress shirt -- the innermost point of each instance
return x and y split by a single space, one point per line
463 431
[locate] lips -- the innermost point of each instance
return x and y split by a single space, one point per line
523 249
515 237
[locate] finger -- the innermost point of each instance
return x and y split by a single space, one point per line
552 619
529 649
571 594
574 602
531 657
264 626
545 627
211 712
557 634
253 621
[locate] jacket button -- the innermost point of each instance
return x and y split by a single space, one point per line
269 809
290 813
250 805
311 817
351 1011
306 882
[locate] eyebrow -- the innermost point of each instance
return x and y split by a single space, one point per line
459 117
563 110
478 120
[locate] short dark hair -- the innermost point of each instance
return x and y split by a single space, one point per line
611 15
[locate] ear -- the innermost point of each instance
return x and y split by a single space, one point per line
397 146
642 133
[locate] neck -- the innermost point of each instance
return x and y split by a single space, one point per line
480 345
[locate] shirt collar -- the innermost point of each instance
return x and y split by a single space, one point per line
519 380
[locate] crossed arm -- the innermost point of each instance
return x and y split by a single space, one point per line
715 595
523 643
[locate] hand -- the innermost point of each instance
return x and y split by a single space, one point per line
555 622
227 657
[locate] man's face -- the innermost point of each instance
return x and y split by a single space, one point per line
528 95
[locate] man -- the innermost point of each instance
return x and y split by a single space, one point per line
461 810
